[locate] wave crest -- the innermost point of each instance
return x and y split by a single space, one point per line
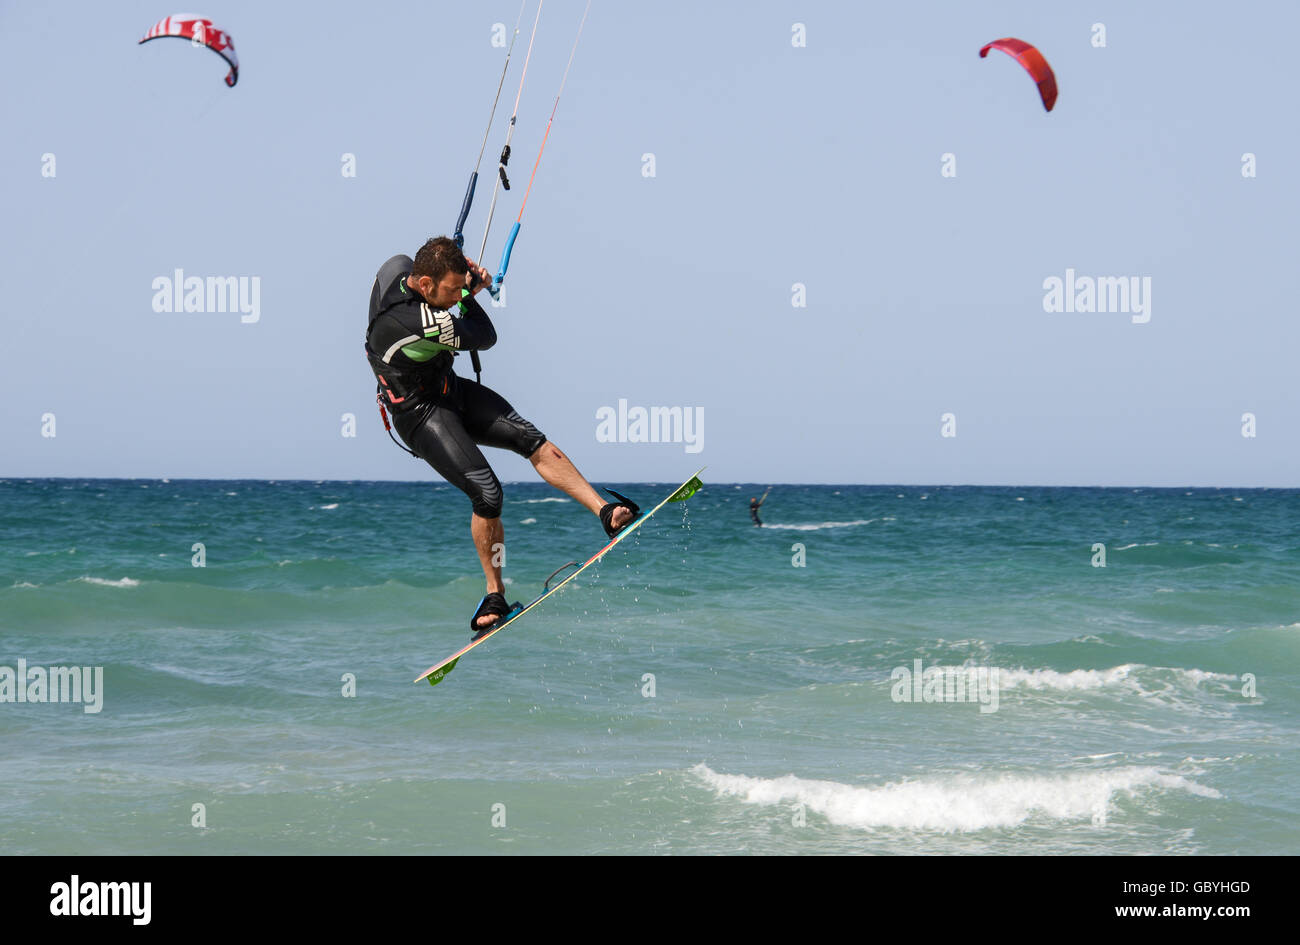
960 803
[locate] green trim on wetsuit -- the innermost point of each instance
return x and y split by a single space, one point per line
424 350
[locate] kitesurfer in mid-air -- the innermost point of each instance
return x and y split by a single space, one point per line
422 312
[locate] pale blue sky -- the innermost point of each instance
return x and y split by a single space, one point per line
775 165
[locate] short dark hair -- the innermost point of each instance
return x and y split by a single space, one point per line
437 257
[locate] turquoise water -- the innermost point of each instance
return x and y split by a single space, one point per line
1126 721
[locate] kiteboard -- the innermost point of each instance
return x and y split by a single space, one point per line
438 671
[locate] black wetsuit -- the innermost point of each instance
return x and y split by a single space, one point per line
442 418
753 510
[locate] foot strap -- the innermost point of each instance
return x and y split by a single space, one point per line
491 605
607 513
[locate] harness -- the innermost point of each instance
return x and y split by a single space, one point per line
394 388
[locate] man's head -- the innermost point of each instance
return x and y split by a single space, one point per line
440 272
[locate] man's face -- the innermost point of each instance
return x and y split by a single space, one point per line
444 293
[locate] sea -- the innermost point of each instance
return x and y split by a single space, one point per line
877 670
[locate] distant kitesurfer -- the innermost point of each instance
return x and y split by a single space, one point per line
754 503
422 312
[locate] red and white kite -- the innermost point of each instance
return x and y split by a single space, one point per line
199 31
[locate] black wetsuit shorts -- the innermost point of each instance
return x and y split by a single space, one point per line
447 433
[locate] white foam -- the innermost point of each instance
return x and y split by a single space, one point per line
529 521
550 499
332 506
958 802
1202 675
1074 680
1083 679
809 528
125 582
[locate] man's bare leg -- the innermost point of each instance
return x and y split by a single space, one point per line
553 466
489 535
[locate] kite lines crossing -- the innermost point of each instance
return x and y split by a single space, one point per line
514 231
503 181
505 155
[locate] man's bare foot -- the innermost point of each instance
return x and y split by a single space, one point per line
615 516
491 610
